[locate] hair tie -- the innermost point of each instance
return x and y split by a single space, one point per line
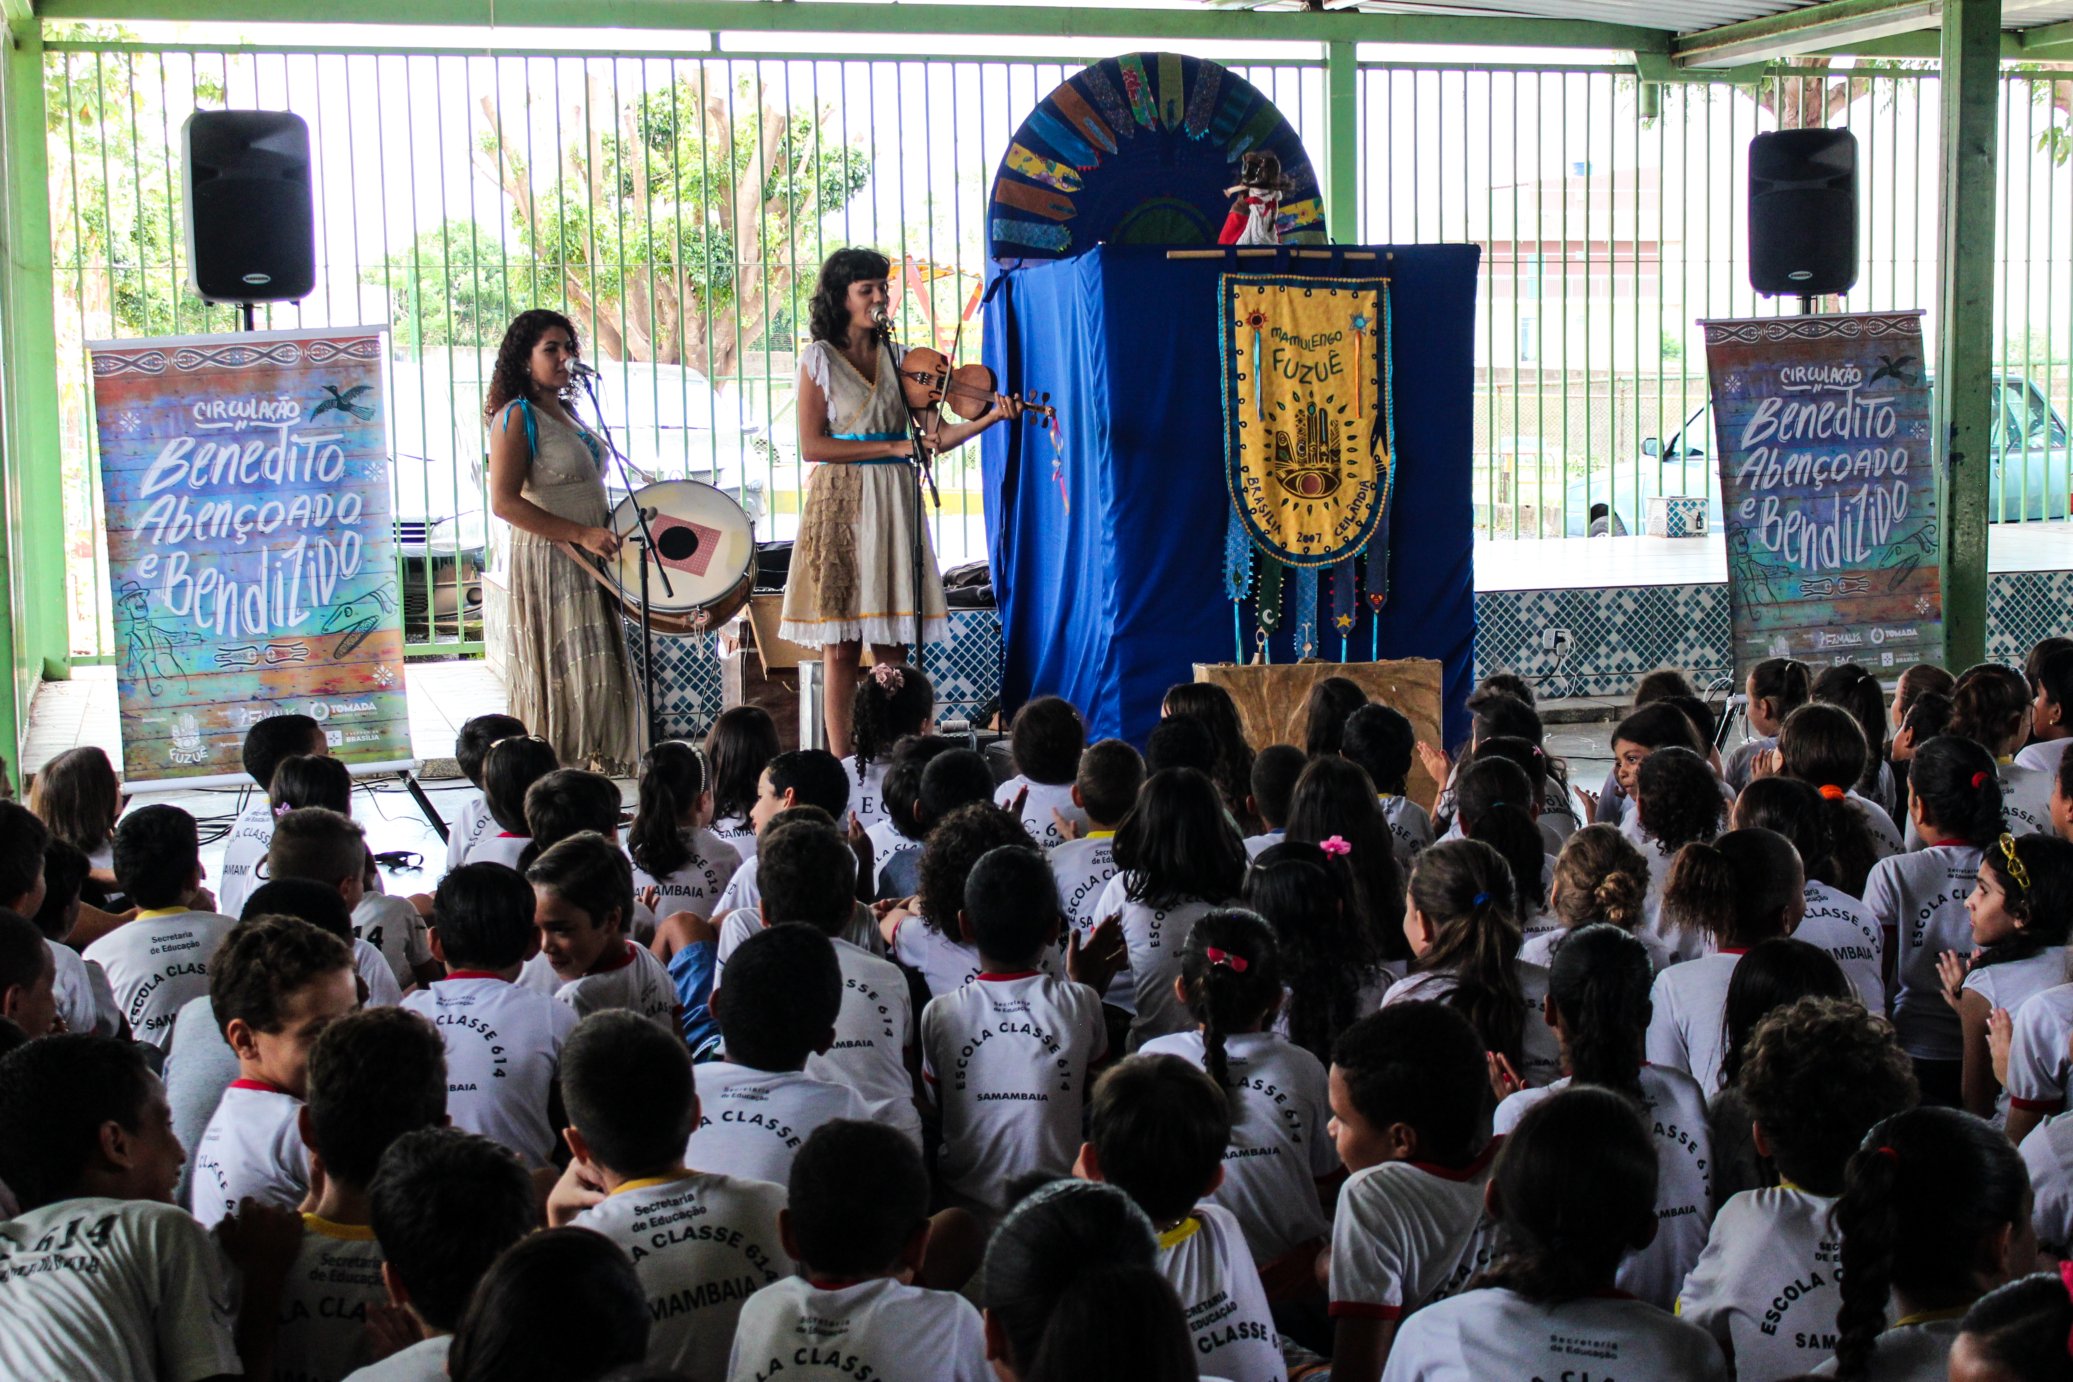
282 809
1979 780
888 677
1888 1153
1832 792
1479 899
1336 846
1224 959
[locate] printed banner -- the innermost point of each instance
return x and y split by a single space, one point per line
1306 413
250 546
1828 489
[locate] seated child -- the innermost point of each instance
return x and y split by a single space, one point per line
27 974
470 750
582 904
1275 769
1676 802
777 1006
738 748
742 922
2051 714
561 1303
1816 1077
1157 1129
936 941
325 847
444 1205
1110 776
267 742
504 1041
1573 1192
849 1311
896 840
159 961
1484 792
805 872
1378 740
103 1275
40 878
1230 763
1046 739
2018 1330
1598 1006
947 779
1823 746
1331 972
570 801
509 770
1598 877
276 983
673 853
1775 688
1181 741
1743 889
1410 1100
893 701
1006 1057
1280 1160
373 1077
1834 920
1935 1213
701 1242
803 777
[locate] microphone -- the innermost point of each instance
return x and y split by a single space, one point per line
579 370
880 317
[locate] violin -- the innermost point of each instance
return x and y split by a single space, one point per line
929 381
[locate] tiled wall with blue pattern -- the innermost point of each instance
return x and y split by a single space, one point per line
1567 642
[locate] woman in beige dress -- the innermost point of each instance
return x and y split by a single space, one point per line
852 575
570 679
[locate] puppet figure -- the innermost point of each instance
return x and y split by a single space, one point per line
1256 210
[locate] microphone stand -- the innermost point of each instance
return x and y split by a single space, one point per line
917 538
646 542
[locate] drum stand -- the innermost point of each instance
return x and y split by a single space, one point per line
646 542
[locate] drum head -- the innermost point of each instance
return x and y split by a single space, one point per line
705 547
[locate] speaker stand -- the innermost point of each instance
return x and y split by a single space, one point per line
1806 304
248 309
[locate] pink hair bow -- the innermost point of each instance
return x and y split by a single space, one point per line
1335 845
887 675
1237 964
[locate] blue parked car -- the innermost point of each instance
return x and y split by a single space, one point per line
2030 476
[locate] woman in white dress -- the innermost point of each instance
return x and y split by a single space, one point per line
852 577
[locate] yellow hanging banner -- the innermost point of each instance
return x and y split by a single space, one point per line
1307 413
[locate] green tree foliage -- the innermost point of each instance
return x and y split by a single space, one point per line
450 287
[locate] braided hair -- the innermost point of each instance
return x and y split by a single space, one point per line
1599 985
1230 968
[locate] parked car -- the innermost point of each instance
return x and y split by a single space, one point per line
2029 479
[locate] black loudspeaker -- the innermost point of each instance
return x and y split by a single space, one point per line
1803 212
251 225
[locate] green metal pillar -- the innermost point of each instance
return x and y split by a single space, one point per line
1971 87
1342 142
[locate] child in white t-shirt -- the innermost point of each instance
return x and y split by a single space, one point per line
373 1077
802 777
1919 901
1487 791
326 847
777 1007
852 1310
739 746
1599 877
444 1204
1330 971
1275 769
1380 740
1157 1129
1574 1192
918 793
1935 1213
504 1041
1047 739
161 959
1410 1099
1110 777
1816 1076
936 941
1006 1058
1991 706
1460 922
807 869
470 751
893 700
277 983
1741 890
701 1242
1178 855
28 975
1676 802
2020 907
1598 1005
267 743
686 865
509 770
1280 1165
100 1274
1834 920
582 900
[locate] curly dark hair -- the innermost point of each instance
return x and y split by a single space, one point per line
513 376
1818 1075
955 845
828 314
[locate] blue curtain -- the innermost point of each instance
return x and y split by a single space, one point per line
1111 587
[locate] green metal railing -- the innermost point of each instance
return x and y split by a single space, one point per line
677 205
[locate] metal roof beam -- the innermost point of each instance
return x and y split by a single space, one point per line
852 17
1804 30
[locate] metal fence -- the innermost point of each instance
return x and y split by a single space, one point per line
677 207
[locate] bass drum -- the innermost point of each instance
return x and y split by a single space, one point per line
704 563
